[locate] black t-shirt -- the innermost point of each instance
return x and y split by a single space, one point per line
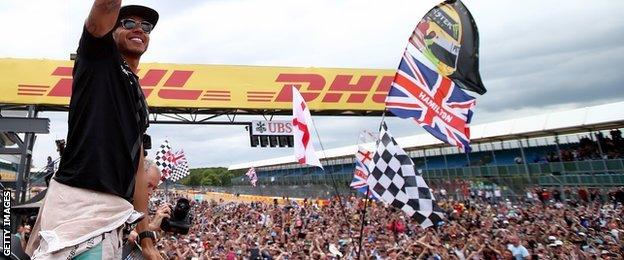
107 119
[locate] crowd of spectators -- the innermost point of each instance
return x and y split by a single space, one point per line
601 147
541 226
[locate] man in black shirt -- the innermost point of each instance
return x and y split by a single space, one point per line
90 197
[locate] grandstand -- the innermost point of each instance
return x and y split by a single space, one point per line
580 147
8 163
8 172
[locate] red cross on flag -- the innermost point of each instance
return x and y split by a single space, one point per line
302 123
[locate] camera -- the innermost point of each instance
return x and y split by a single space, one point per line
180 220
147 142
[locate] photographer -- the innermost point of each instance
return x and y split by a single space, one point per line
166 217
164 211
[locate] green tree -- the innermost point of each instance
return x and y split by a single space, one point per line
214 176
226 178
208 181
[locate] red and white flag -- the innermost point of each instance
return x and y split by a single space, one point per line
253 178
302 123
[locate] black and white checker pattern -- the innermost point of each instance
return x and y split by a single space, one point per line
180 171
395 181
162 159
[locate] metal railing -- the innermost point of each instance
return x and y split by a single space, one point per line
598 173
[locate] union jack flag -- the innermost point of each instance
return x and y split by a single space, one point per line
432 100
363 158
167 160
180 169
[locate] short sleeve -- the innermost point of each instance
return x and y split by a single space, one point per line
92 47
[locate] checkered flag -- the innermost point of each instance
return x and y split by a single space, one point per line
162 160
394 180
180 171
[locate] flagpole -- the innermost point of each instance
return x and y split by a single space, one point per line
344 213
363 221
166 191
383 117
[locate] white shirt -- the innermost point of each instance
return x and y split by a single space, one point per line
615 233
73 215
519 252
459 253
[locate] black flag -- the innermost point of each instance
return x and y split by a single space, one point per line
448 37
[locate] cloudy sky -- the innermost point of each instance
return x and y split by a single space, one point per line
536 56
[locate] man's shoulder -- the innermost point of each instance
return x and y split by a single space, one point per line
96 48
86 60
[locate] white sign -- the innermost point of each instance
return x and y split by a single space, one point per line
275 127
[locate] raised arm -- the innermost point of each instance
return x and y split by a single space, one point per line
475 253
102 17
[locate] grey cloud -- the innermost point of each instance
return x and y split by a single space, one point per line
536 56
578 77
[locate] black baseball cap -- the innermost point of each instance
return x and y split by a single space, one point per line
148 14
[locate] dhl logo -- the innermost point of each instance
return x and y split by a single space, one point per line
172 86
340 86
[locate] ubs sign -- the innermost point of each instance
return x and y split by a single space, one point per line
274 127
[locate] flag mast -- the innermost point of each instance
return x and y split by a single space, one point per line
304 150
344 213
363 221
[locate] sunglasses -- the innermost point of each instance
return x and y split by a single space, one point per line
130 24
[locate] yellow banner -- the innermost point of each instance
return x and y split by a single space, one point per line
48 82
